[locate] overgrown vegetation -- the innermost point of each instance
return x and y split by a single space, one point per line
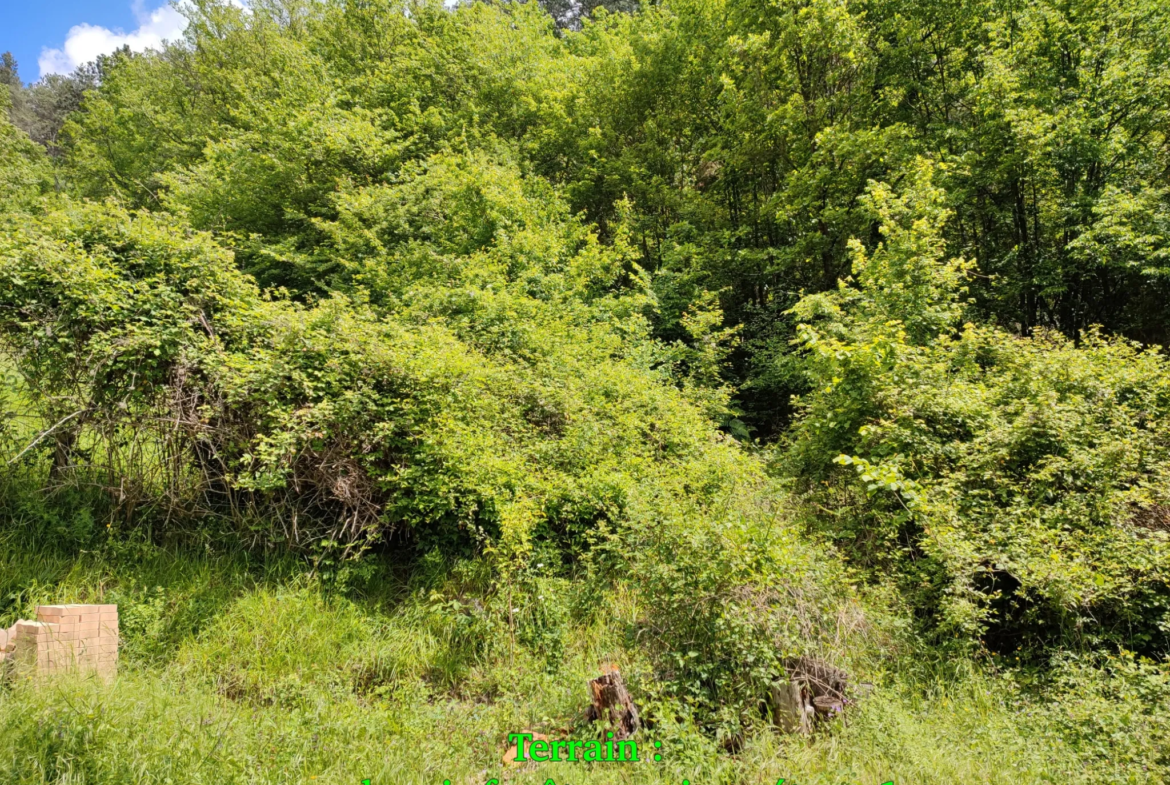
394 367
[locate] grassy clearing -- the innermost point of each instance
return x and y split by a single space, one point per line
241 671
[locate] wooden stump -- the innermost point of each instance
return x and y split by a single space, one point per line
612 704
828 706
788 708
814 691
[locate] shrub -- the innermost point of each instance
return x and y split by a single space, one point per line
1015 485
513 411
1112 709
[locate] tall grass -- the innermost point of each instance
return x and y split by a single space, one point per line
241 667
237 670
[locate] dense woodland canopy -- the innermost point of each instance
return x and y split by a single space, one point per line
781 312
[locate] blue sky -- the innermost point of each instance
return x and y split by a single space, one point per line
58 35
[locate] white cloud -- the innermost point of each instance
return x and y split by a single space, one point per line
85 42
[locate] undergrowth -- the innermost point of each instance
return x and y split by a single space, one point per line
239 670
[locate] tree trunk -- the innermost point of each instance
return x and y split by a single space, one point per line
63 443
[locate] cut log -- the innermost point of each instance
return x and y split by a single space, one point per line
612 704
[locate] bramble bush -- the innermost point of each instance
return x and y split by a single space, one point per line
166 376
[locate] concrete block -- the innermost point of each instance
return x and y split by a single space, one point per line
34 629
70 620
53 609
74 609
64 638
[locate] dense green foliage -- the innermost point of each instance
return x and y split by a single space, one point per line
519 337
1013 483
23 173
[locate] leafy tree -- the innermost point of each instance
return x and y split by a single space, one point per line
1058 154
515 277
24 172
42 109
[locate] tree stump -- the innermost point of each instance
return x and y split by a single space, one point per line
612 704
814 691
828 705
789 710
